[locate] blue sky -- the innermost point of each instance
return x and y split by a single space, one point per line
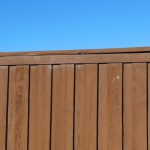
80 24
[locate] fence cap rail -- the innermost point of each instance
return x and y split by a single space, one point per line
79 52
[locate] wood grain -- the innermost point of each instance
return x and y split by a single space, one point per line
75 100
148 103
62 113
110 107
71 59
18 108
135 106
79 51
40 104
3 104
86 107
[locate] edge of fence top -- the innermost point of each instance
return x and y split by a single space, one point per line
79 52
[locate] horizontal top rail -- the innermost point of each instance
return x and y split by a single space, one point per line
79 52
75 59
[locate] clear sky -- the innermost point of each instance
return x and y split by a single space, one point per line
27 25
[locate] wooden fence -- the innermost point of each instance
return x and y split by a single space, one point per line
75 100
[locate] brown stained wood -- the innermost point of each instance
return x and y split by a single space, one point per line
62 110
71 59
86 107
3 104
110 107
90 108
40 104
135 106
18 108
76 52
148 103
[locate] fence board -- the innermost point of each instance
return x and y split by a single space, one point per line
135 106
110 107
86 107
62 108
80 52
76 100
148 103
3 104
40 104
18 108
75 59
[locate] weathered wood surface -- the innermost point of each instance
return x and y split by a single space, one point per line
40 107
3 105
18 108
76 52
135 106
62 107
110 107
74 59
77 100
86 107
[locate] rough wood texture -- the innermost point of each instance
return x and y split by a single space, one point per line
75 100
148 103
76 52
86 107
40 104
135 106
62 108
3 105
110 107
18 108
71 59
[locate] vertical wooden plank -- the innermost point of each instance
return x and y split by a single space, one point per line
18 108
135 108
86 107
110 107
40 103
62 110
3 104
148 98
